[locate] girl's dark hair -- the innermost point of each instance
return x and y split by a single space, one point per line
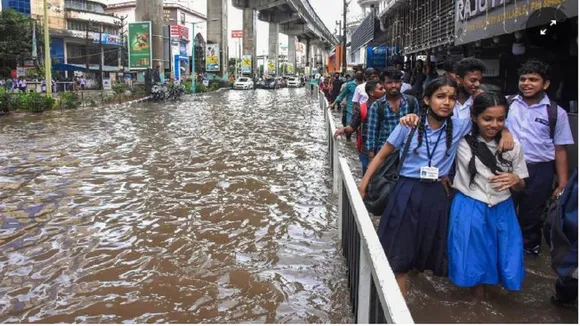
481 103
430 89
370 86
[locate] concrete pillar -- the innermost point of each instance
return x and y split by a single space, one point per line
217 31
152 10
250 17
273 49
292 51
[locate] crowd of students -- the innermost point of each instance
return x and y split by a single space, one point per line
473 186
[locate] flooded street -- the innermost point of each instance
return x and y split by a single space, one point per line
217 210
437 300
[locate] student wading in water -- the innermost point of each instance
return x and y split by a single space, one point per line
413 229
485 243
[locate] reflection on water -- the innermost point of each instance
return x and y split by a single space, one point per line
217 209
437 300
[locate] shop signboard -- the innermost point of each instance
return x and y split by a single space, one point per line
246 64
140 49
107 39
237 34
179 31
212 57
377 57
290 68
481 19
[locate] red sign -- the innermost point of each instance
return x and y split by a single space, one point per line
237 34
179 31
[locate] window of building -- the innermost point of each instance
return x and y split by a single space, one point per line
77 25
84 5
22 6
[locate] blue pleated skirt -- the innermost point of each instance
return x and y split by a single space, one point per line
485 244
413 229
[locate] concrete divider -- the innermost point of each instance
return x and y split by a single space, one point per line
374 293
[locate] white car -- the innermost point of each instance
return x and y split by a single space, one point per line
294 82
244 83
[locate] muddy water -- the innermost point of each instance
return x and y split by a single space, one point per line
215 210
436 300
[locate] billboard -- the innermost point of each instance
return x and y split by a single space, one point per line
140 49
212 59
271 67
246 64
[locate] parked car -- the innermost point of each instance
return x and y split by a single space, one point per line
244 83
271 83
295 82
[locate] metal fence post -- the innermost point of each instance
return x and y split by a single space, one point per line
364 287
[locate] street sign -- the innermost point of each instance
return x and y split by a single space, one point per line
237 34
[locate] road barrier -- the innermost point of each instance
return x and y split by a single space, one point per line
374 293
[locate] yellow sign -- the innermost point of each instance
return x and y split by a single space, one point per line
271 66
290 68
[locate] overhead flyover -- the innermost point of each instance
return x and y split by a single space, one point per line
295 17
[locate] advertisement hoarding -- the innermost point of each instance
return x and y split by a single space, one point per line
271 67
140 49
246 64
212 59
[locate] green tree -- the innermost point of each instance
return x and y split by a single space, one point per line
16 39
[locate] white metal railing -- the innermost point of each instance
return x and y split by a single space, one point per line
374 293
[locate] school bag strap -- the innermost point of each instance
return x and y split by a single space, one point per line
384 179
382 106
552 114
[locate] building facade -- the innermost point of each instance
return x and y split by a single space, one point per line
178 33
22 6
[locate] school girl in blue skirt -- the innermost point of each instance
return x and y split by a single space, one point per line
485 244
413 229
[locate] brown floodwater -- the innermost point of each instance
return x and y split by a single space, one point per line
436 300
214 210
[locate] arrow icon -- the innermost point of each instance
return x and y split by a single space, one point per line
543 32
553 22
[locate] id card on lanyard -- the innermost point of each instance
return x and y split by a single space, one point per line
429 172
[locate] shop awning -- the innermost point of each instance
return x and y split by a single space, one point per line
79 67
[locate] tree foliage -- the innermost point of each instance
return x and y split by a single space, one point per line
16 38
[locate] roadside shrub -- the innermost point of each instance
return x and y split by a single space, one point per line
120 87
70 100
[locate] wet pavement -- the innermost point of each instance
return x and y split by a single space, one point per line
436 300
217 210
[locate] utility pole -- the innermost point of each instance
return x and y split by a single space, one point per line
345 8
89 27
122 43
101 56
47 62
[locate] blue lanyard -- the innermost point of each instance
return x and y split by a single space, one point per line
429 153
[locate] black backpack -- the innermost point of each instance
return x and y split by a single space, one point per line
552 114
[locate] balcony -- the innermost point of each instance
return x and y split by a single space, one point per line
387 5
368 3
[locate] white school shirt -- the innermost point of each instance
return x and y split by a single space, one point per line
360 94
482 189
463 111
530 126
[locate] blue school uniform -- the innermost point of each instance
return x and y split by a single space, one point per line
413 229
485 243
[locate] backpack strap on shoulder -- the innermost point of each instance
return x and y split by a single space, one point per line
552 118
381 112
411 100
510 99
